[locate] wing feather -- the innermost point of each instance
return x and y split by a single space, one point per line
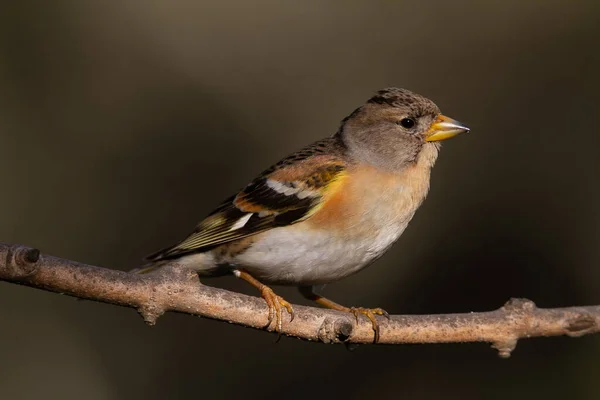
285 194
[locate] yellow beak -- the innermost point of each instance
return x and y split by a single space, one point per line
444 128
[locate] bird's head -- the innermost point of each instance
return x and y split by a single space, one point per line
393 127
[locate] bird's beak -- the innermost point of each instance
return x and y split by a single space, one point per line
444 128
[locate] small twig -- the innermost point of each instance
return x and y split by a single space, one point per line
179 290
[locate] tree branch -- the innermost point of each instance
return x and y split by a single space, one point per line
179 290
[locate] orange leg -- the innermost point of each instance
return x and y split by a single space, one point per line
274 302
370 313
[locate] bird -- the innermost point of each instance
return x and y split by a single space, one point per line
327 211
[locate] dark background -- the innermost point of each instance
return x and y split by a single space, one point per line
124 123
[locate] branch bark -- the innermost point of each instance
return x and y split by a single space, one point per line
179 290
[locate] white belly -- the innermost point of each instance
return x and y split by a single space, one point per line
294 255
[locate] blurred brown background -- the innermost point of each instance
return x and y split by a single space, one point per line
123 123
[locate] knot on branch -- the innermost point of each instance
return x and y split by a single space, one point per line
335 330
505 347
516 310
516 305
21 261
581 325
151 312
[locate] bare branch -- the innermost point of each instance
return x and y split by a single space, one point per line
176 289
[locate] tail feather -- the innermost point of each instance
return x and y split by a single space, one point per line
162 254
154 261
149 267
201 262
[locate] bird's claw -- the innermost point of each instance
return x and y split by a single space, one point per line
370 313
275 304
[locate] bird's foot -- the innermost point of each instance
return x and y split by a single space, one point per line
276 304
370 313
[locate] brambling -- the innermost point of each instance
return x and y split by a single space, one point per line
327 211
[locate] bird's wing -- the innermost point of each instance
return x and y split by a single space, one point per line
287 193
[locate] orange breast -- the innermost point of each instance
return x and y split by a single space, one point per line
366 199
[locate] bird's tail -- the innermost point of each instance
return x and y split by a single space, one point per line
203 263
149 267
154 261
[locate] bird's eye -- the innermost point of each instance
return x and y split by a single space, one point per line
407 123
